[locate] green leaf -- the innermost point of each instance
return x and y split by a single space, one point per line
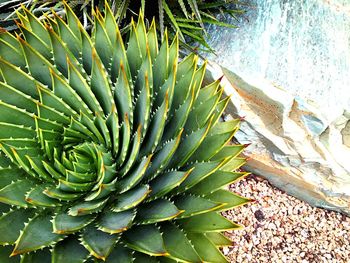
103 44
4 255
65 92
146 239
166 182
125 140
122 94
199 173
156 128
37 234
207 92
14 193
99 84
52 171
188 146
160 65
69 251
68 37
141 258
100 124
143 98
16 98
215 181
152 40
134 176
37 256
198 78
205 248
60 53
184 83
177 245
113 128
218 239
79 83
110 24
116 222
18 79
35 41
162 158
218 23
120 254
9 174
86 50
38 66
98 243
60 195
37 197
119 59
167 89
157 211
173 55
176 123
12 54
195 205
232 200
233 164
14 115
65 224
228 151
130 198
73 21
141 31
102 191
224 127
133 52
76 177
135 147
54 104
20 142
86 208
189 26
36 26
209 222
199 115
11 223
74 187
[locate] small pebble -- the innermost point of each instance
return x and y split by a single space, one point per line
259 215
281 228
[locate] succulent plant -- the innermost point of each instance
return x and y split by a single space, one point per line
110 152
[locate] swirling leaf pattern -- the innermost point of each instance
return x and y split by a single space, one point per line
110 151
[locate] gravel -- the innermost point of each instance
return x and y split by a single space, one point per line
281 228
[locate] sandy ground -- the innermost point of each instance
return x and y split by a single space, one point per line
281 228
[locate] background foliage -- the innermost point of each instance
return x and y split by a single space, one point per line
187 17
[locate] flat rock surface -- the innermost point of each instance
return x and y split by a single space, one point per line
281 228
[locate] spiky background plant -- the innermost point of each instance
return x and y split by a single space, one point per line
187 17
110 151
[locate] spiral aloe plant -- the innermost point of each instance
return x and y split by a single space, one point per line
110 152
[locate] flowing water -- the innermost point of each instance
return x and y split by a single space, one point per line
300 45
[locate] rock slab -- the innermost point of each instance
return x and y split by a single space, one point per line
291 143
287 71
